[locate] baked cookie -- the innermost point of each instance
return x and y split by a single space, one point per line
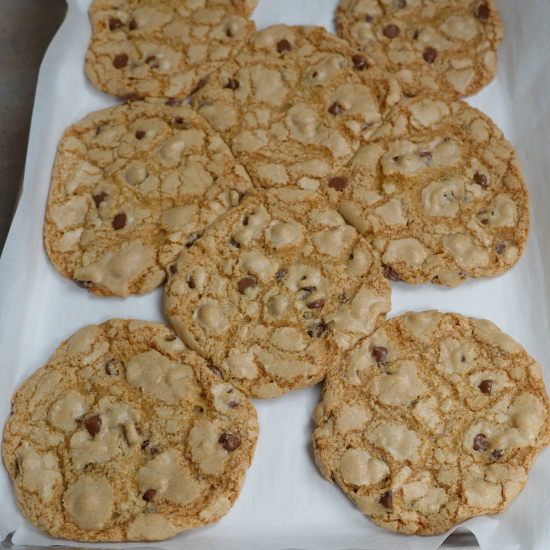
435 419
163 48
275 292
127 435
434 48
295 103
131 185
438 192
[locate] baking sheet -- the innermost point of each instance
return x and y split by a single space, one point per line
285 502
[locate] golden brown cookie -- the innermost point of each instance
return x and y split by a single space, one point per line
275 292
434 48
163 48
295 104
434 419
126 434
131 185
438 192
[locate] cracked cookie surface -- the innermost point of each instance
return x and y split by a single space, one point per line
131 185
295 103
163 48
127 435
434 48
438 192
276 291
435 418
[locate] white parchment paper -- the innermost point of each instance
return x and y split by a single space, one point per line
285 502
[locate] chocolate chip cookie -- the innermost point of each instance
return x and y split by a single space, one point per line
440 49
435 418
131 185
295 103
125 435
438 192
163 48
275 292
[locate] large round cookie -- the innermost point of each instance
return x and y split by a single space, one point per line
131 185
127 435
435 418
276 291
163 48
439 193
295 103
434 48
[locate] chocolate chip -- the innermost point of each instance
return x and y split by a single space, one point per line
309 288
133 25
173 269
368 18
501 248
386 500
215 370
380 354
247 282
138 431
229 33
191 282
496 454
400 4
119 221
111 368
339 184
174 102
429 55
232 84
480 179
335 109
234 243
482 11
115 24
200 85
318 304
283 46
486 386
120 61
93 425
232 404
130 97
426 155
83 284
100 198
229 441
391 31
317 330
144 444
391 274
245 221
154 450
484 222
151 58
148 495
416 34
280 275
480 442
192 238
140 134
359 63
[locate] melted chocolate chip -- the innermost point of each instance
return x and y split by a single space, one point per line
391 274
154 450
416 34
386 500
480 442
93 425
245 221
496 454
173 269
317 330
429 55
232 404
339 184
119 221
215 370
486 386
133 25
247 282
232 84
426 155
111 368
83 284
359 63
501 248
192 238
130 97
482 11
174 102
234 243
230 441
480 179
200 85
380 354
140 134
318 304
115 24
120 61
280 275
151 59
400 4
335 109
309 288
178 120
144 444
229 33
391 31
283 46
148 495
368 18
191 282
98 199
